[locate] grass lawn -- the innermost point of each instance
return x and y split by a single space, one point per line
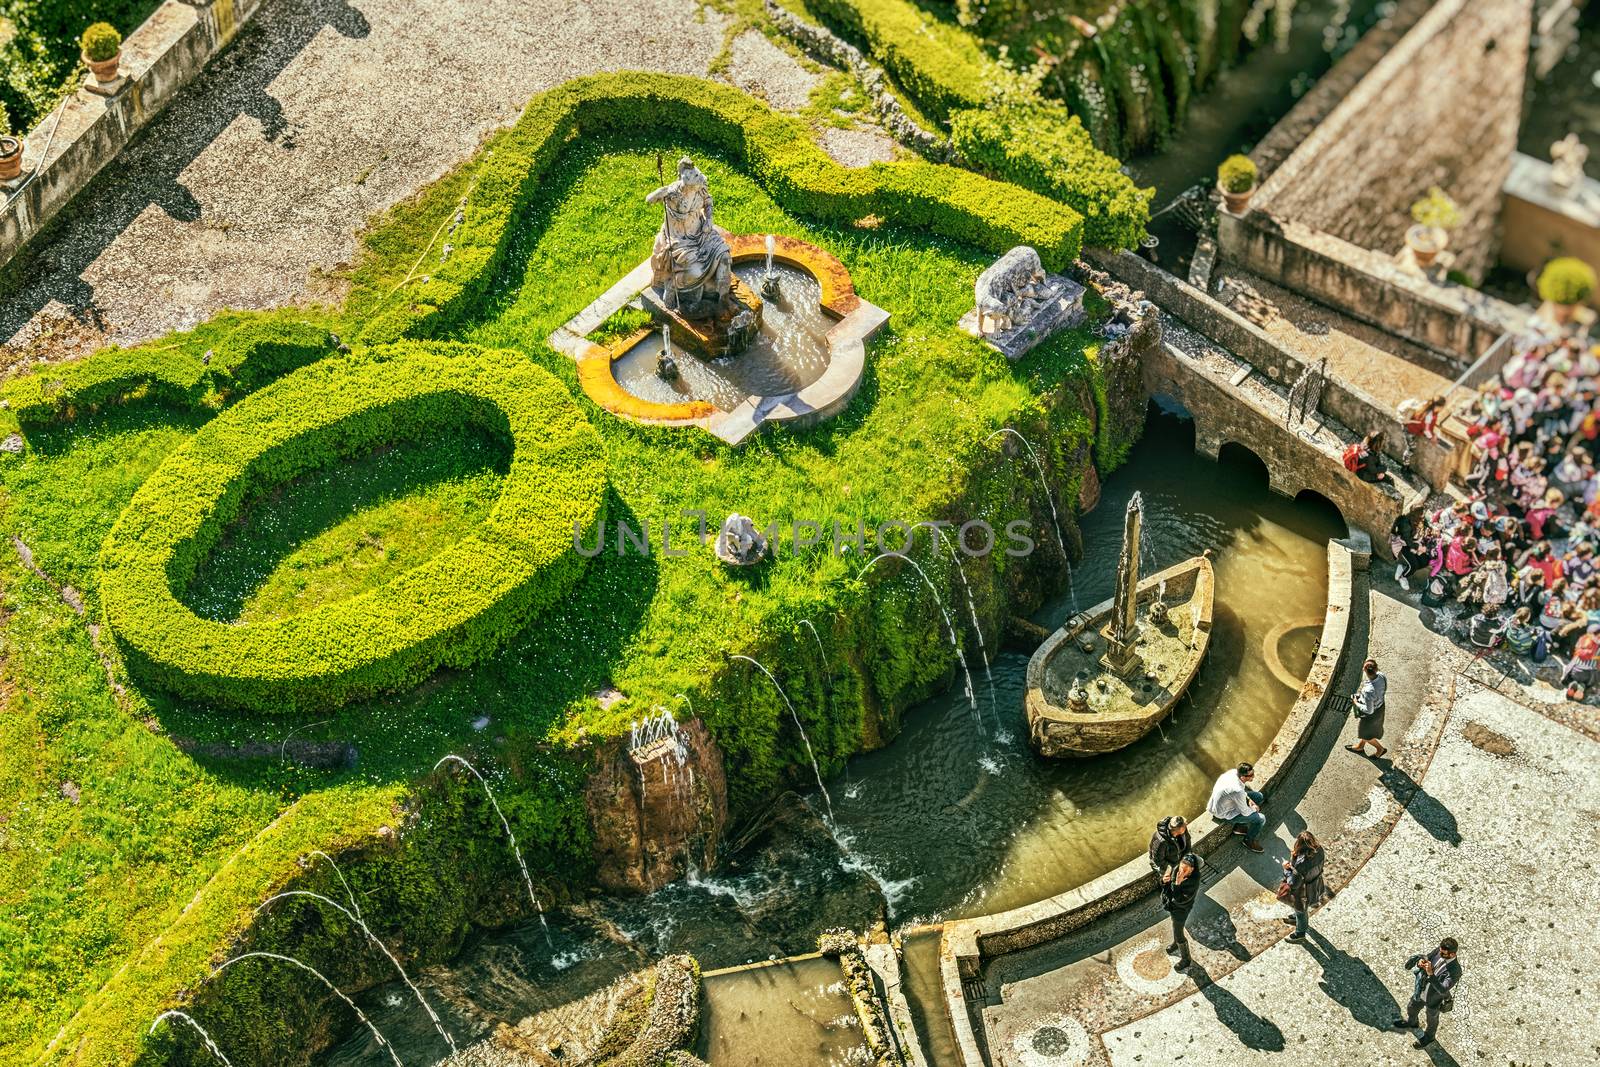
86 883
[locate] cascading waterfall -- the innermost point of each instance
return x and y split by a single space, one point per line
426 1007
955 643
210 1044
1055 519
376 1033
516 850
972 611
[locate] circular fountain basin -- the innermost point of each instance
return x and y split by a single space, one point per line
804 366
789 352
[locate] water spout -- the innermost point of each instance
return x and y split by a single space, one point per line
511 837
426 1007
376 1033
972 612
955 644
210 1044
826 799
1050 499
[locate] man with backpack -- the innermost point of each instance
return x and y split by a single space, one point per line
1432 990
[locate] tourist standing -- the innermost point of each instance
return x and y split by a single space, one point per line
1169 844
1178 895
1235 803
1432 990
1368 705
1302 877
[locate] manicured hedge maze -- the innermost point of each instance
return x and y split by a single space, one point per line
450 611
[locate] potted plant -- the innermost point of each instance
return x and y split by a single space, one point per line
1565 283
102 51
10 149
1435 216
1236 180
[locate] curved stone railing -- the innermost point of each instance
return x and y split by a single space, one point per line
968 943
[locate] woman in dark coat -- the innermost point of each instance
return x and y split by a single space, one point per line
1302 873
1177 897
1168 845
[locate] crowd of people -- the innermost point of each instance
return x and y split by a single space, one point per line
1518 554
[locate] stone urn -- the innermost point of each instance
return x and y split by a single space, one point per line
1236 203
1426 242
10 157
105 71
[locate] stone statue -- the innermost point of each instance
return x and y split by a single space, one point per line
1017 304
1011 291
691 263
739 543
1567 157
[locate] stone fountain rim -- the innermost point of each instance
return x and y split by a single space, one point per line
858 319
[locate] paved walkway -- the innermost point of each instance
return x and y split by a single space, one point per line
249 191
1480 826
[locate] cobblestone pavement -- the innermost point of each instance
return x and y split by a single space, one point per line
1481 826
249 191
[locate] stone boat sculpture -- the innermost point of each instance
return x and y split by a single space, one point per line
1110 674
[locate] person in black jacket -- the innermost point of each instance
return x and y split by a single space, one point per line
1437 975
1302 873
1168 845
1177 897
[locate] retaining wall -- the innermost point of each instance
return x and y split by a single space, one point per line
88 129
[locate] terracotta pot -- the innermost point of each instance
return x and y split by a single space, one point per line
105 70
1563 314
1426 242
1237 203
10 158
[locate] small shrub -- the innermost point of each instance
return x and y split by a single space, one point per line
101 41
1437 211
5 121
1566 280
1237 174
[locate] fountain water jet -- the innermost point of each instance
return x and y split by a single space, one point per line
376 1033
432 1015
349 895
983 650
955 643
1049 497
210 1044
826 799
511 837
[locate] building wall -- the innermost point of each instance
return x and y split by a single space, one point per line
1442 108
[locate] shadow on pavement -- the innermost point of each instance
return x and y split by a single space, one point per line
1252 1030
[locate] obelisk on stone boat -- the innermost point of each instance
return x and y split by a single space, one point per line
1122 641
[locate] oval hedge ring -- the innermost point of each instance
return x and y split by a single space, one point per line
449 611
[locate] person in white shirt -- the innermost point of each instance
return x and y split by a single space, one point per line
1234 802
1368 708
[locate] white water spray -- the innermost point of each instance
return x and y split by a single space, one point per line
1055 520
972 611
210 1044
955 643
432 1015
511 837
383 1041
826 799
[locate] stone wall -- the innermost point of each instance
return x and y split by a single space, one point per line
1351 407
89 129
1541 223
1441 108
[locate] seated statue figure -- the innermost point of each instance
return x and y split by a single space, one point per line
691 262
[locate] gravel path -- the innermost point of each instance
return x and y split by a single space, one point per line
249 191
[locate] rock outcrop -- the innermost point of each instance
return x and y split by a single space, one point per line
656 809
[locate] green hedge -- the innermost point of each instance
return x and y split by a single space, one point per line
1040 145
938 64
449 611
255 353
778 151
